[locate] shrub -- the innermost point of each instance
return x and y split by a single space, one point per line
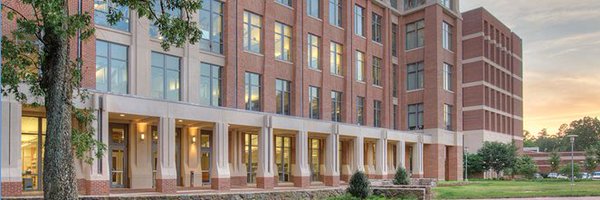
401 177
525 166
359 185
566 170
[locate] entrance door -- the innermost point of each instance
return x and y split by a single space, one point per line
315 159
205 153
251 156
33 135
178 156
118 153
283 152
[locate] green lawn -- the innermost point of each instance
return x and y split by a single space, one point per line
505 189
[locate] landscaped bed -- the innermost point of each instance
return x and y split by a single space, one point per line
482 189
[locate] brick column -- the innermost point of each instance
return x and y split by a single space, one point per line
12 184
332 174
220 176
265 172
301 171
166 175
434 159
455 163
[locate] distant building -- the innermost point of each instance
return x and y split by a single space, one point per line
541 159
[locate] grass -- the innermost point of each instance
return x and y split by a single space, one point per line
372 197
511 189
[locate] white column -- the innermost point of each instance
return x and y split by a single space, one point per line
359 161
265 172
418 158
331 155
400 154
301 168
166 149
381 157
220 175
11 142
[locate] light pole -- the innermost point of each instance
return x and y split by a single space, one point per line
572 138
466 151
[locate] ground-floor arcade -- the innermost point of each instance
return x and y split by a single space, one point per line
169 146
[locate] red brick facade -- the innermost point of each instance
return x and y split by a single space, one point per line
166 185
12 188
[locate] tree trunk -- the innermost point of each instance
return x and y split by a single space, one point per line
58 172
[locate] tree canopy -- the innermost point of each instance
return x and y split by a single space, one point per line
497 156
587 129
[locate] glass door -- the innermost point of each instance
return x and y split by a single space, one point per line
251 156
33 135
205 155
118 153
315 158
283 154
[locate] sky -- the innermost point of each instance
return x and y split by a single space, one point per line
561 57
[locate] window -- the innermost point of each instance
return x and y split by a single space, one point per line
111 67
285 2
394 3
252 32
313 51
446 3
415 116
376 26
415 34
447 78
313 102
414 76
173 13
336 106
283 42
103 7
165 76
252 91
211 26
446 36
395 117
282 96
210 84
410 4
448 117
335 58
314 7
335 12
376 71
359 20
360 110
283 157
360 66
376 113
395 80
395 40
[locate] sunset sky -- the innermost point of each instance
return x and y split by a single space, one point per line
561 46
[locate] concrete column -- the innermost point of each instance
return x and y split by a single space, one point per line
96 179
238 169
166 175
418 160
191 153
381 158
266 158
332 174
359 156
12 181
220 176
301 171
370 160
400 154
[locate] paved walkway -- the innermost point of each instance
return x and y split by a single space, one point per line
553 198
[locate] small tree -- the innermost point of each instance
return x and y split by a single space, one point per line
554 161
498 156
401 177
474 163
525 166
359 185
566 170
591 161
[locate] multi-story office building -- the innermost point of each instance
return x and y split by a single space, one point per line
277 92
492 81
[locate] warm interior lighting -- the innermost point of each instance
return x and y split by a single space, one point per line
193 139
180 120
122 115
143 136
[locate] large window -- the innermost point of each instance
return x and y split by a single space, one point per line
165 76
285 2
172 13
446 36
376 27
211 26
414 76
395 117
415 116
360 66
313 51
447 117
446 3
359 20
250 157
210 84
415 34
252 97
395 40
377 71
282 96
33 138
283 157
315 148
376 113
111 67
395 77
410 4
283 42
313 102
252 32
447 77
103 7
336 106
335 58
360 110
313 8
335 12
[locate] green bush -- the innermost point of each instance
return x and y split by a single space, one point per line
401 177
566 170
359 185
525 166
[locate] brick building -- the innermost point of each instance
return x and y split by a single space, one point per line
542 160
277 93
492 81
